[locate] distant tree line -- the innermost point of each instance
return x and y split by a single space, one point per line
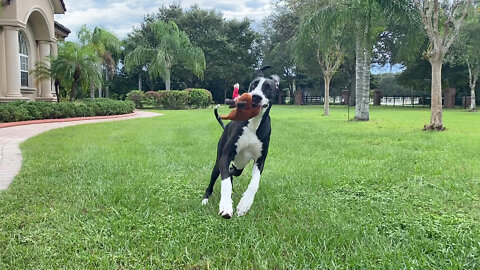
321 47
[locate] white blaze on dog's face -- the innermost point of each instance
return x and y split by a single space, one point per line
263 89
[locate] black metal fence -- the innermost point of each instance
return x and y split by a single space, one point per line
335 100
395 101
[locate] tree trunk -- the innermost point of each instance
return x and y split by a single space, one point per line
361 108
167 79
326 104
225 90
366 84
353 91
472 81
57 92
92 91
472 97
73 94
107 87
139 81
292 97
436 107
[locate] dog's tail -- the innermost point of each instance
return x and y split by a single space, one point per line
215 111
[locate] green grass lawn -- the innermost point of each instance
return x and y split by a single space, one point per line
334 194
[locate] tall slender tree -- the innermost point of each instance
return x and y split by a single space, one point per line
167 47
107 46
366 18
442 21
324 34
466 51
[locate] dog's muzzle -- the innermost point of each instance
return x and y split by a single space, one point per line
257 101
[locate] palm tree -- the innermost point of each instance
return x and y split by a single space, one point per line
76 65
365 20
167 47
108 47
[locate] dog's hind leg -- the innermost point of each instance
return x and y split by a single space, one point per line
213 179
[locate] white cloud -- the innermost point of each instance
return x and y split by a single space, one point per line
120 16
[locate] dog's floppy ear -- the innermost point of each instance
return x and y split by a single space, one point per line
275 78
277 81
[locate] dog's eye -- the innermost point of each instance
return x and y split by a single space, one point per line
253 85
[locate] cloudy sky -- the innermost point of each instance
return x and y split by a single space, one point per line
121 16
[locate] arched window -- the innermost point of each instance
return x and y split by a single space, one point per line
22 44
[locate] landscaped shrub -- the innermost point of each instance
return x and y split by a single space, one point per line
136 96
199 98
151 99
21 110
173 99
12 112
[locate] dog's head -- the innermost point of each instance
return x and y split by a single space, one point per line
263 90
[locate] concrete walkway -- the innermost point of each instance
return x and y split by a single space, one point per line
12 137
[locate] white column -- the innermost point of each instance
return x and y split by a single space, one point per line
12 58
46 85
54 53
54 48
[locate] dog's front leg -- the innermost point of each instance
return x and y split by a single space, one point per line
225 207
247 198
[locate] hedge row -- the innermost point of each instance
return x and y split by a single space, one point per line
171 100
22 111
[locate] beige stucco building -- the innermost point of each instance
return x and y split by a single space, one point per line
28 34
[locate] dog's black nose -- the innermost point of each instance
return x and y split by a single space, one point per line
257 99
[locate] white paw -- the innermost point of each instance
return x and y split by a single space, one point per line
244 205
226 208
204 201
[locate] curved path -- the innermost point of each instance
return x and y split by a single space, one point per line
12 137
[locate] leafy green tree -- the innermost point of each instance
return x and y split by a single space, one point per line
466 51
231 49
442 21
76 65
365 20
325 37
278 46
167 47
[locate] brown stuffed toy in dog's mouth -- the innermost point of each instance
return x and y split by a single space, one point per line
244 108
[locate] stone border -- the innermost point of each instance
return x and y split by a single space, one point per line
11 137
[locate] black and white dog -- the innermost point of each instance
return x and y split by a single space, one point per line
241 142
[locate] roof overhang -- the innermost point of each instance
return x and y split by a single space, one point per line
61 31
59 6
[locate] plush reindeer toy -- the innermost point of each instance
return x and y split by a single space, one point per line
244 108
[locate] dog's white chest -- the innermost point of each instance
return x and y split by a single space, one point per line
249 147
